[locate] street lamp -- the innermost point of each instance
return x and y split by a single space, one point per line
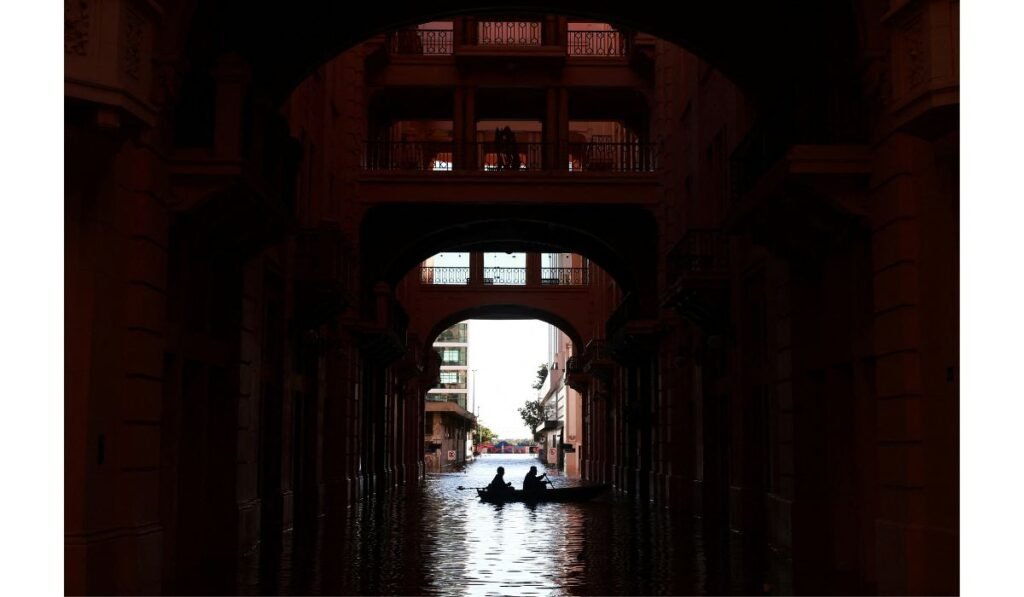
473 406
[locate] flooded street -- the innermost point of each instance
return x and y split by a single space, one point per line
440 540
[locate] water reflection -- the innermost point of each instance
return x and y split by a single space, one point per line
439 540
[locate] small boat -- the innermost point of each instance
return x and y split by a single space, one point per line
555 494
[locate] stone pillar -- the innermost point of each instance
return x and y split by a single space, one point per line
116 256
914 217
469 118
476 269
459 141
551 129
533 269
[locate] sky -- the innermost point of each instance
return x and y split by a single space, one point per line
505 355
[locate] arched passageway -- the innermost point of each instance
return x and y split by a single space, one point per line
773 350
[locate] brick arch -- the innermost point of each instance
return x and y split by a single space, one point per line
754 44
431 324
621 239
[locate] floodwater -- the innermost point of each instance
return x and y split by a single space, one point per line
439 539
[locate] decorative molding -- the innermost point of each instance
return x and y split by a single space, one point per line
76 26
133 41
914 49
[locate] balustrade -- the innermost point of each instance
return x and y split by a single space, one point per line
565 276
597 44
444 275
420 42
437 156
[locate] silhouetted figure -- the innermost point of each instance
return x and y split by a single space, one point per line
498 483
512 160
532 482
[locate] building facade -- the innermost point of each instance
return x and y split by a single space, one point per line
449 423
562 430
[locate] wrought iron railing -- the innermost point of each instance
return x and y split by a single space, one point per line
407 155
496 155
426 156
701 252
612 157
597 350
509 33
565 276
421 42
451 276
505 276
597 43
626 311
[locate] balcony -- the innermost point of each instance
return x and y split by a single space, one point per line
510 37
383 338
531 173
565 276
598 44
630 332
700 254
697 279
420 42
459 400
444 276
438 156
505 276
428 156
323 275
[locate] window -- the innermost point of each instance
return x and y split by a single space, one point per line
449 377
453 356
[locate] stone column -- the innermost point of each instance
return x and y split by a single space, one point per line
533 269
116 259
459 141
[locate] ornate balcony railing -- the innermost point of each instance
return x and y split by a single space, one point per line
505 276
612 157
450 276
703 252
423 156
565 276
597 44
494 156
626 311
420 42
509 33
437 156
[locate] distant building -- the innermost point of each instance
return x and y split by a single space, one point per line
561 432
447 422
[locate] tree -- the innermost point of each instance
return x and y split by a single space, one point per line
533 415
542 374
484 435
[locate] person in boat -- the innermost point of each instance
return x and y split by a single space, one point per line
498 483
532 482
